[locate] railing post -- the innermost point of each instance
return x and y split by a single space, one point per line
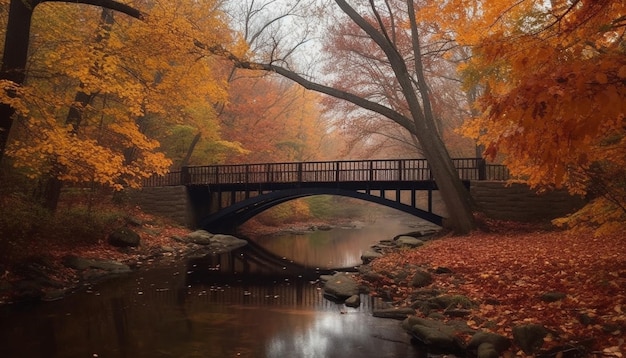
300 172
400 166
371 171
185 177
337 172
482 169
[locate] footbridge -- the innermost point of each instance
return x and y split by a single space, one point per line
221 197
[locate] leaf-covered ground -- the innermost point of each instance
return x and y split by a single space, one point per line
506 271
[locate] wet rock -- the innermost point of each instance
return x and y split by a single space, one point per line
110 266
370 255
28 291
368 274
200 237
341 286
408 242
457 312
442 271
552 296
124 237
498 343
394 313
224 243
487 350
54 295
433 333
529 337
421 278
453 301
353 301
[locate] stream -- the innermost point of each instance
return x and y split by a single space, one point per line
263 300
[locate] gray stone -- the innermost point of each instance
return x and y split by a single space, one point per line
353 301
421 279
457 312
432 333
80 263
200 237
124 237
498 342
370 255
487 350
529 337
407 241
368 274
341 286
225 243
452 301
552 296
394 313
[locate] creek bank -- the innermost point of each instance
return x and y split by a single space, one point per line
438 319
49 278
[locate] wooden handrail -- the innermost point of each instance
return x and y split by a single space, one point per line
326 171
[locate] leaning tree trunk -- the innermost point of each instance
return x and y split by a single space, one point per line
456 198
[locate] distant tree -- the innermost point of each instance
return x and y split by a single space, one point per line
417 117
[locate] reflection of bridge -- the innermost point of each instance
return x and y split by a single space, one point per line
224 196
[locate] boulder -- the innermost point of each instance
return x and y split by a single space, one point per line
407 241
394 313
200 237
353 301
341 286
487 350
224 243
552 296
433 333
111 266
497 342
421 278
124 237
529 337
370 255
452 301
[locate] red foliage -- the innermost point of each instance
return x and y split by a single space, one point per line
507 270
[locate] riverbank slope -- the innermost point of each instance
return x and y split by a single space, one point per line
571 283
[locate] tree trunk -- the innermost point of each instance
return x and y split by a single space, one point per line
456 198
14 60
16 43
192 146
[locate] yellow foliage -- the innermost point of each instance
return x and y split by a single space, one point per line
140 76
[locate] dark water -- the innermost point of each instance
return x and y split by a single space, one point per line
250 303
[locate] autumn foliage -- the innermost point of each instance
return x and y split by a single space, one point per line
553 78
507 270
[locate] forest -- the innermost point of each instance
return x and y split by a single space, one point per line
98 95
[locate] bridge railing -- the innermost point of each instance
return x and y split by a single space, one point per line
326 171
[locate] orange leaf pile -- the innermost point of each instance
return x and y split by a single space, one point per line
507 272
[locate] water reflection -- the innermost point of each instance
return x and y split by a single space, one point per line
213 306
338 247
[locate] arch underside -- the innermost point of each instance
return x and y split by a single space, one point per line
227 219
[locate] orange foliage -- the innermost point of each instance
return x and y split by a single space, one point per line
273 120
514 268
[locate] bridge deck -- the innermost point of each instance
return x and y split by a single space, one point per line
387 173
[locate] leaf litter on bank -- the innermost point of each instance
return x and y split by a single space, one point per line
508 271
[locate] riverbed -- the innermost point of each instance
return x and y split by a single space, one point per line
263 300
